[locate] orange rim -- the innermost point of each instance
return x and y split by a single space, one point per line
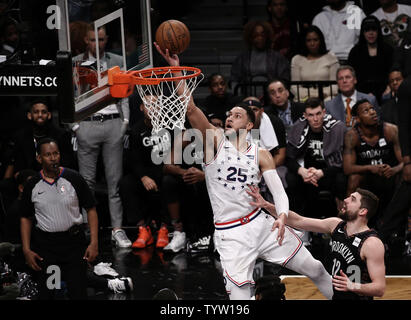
145 77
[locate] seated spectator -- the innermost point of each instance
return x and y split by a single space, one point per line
285 32
271 136
279 104
333 22
269 287
394 220
394 18
9 36
389 108
315 63
220 100
402 54
314 160
259 62
271 131
372 154
40 126
141 190
371 59
340 106
185 188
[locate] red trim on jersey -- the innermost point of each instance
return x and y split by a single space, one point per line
239 219
300 243
236 283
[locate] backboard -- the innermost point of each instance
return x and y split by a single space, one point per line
99 34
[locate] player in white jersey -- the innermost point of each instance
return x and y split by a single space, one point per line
243 232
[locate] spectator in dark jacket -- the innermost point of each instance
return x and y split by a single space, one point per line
141 190
314 158
371 58
389 108
259 62
40 126
278 103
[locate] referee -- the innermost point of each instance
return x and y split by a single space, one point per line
52 201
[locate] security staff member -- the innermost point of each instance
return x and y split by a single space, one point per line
53 200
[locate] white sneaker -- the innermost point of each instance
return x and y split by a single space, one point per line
120 285
120 238
177 243
105 269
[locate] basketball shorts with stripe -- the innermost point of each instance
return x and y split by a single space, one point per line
240 247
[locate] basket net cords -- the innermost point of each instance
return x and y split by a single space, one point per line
166 107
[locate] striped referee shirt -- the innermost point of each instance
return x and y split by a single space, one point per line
56 206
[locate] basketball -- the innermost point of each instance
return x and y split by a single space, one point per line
173 35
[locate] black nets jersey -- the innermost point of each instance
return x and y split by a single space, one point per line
345 256
381 153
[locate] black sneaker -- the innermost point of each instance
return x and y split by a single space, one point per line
202 245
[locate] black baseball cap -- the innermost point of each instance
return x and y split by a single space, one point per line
251 103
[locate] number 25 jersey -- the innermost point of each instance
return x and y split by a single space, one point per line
227 177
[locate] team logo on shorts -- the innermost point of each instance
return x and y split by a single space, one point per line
245 220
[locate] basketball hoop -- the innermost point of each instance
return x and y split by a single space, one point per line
165 95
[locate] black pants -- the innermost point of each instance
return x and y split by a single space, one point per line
140 204
394 218
195 208
313 201
63 251
384 189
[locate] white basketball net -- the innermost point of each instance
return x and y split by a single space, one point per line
166 107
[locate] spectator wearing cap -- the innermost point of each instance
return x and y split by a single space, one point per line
372 154
279 104
216 120
314 159
271 130
371 59
271 136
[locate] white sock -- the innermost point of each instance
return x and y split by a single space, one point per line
237 293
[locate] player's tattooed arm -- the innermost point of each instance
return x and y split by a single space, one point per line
351 140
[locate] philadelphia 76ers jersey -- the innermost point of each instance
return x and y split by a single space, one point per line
227 177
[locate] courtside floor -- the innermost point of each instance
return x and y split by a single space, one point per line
199 276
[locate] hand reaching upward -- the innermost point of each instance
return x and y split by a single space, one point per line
172 60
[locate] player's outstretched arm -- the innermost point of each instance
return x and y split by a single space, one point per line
294 219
